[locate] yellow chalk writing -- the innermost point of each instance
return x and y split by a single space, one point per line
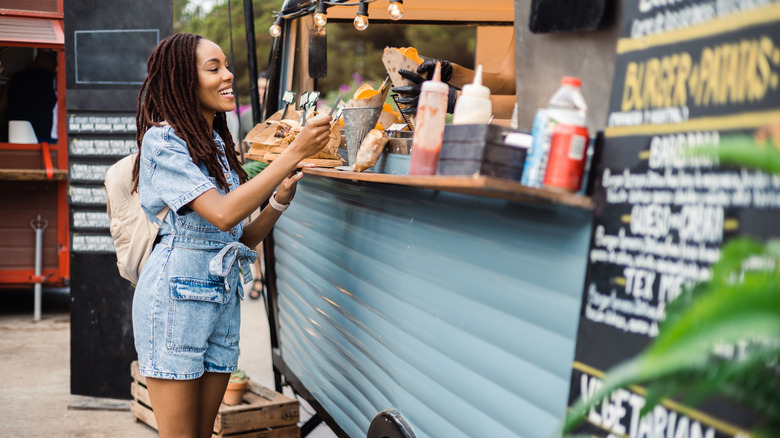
734 72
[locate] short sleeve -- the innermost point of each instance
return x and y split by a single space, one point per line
166 165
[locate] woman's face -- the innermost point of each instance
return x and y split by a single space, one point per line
215 81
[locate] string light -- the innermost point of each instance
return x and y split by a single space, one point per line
321 16
319 8
276 28
361 19
396 9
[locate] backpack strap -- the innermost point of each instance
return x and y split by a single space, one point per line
162 213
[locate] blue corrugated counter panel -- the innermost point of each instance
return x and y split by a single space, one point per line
459 311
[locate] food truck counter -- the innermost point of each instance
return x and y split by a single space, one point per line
453 300
478 185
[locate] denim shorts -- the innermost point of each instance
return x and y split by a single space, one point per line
185 324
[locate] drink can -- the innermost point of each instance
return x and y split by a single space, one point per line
566 160
536 162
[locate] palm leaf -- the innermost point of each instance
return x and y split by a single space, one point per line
252 168
742 150
720 311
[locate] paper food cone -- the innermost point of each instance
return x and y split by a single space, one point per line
394 61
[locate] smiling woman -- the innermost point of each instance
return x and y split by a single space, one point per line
187 303
215 81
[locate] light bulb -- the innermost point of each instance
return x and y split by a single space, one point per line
361 22
320 19
275 30
395 11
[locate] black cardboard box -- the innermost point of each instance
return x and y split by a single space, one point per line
489 150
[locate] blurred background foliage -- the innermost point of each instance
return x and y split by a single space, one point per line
353 57
217 24
351 51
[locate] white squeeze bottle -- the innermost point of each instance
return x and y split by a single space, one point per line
429 129
473 105
566 106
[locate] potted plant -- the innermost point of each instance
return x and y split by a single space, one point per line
237 386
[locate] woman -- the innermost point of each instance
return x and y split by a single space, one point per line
186 308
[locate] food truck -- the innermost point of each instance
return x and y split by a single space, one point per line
33 171
474 305
452 300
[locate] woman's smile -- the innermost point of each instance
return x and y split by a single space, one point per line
215 81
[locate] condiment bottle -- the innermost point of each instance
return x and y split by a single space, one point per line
429 125
569 140
473 105
566 105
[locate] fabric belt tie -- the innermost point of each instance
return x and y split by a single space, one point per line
234 251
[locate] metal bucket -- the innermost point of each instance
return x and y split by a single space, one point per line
357 124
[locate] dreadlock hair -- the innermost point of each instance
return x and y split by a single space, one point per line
170 94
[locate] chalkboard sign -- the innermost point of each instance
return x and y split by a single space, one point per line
101 329
95 142
688 75
113 56
107 44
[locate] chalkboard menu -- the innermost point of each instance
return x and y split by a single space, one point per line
688 75
115 56
101 301
95 142
107 44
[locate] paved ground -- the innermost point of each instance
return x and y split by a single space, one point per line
35 372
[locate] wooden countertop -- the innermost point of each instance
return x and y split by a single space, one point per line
478 186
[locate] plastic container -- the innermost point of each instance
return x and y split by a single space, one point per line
483 149
429 126
566 106
21 131
473 106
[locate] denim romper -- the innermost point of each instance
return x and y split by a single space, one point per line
186 307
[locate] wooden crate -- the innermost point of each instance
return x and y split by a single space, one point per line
263 413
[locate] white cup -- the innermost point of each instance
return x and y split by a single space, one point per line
21 131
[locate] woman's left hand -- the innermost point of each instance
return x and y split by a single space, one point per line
286 191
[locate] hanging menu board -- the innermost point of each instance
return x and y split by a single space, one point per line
688 75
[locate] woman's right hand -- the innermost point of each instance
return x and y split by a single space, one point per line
313 137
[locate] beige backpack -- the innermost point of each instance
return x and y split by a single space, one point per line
133 234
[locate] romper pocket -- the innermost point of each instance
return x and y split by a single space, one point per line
195 306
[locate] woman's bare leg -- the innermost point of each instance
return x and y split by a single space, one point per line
212 390
175 404
187 408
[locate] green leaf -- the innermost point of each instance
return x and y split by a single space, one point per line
252 168
743 150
